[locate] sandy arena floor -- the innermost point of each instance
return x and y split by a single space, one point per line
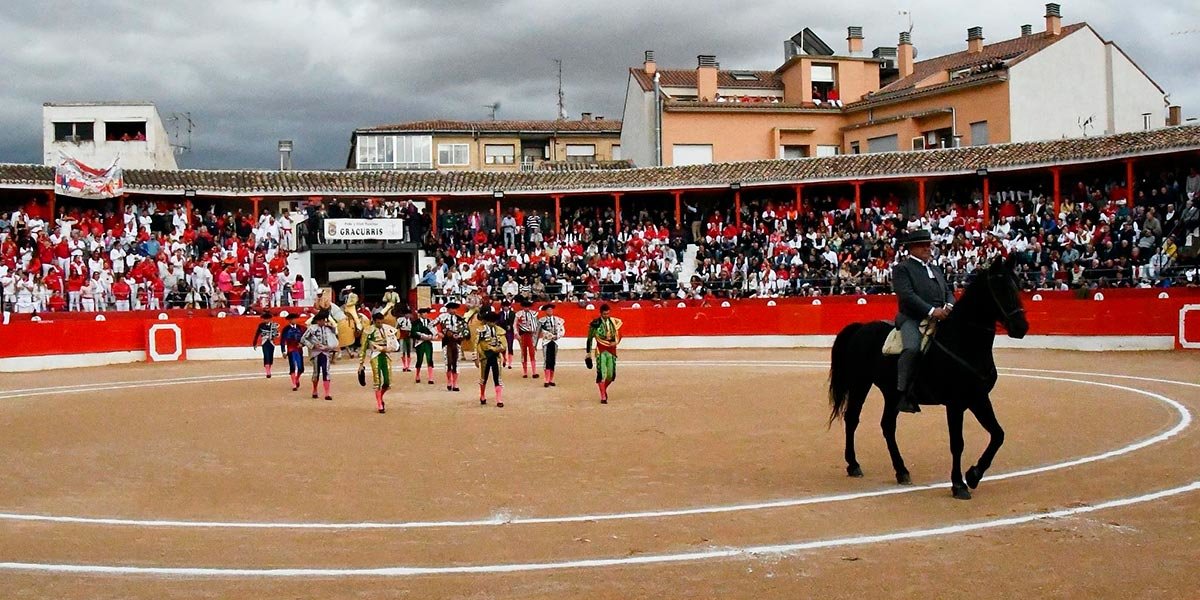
710 475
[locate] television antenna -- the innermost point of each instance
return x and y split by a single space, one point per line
908 15
1085 123
494 107
179 131
562 98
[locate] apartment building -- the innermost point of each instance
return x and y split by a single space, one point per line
97 133
1064 81
588 142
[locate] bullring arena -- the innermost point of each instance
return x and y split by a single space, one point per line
711 473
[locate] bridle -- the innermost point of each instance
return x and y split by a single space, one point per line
1008 314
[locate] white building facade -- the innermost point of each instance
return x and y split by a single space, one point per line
96 133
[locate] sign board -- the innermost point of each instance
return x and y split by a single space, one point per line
364 229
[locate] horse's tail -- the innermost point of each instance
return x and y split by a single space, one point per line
840 374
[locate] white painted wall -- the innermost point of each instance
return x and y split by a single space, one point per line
1078 77
153 153
637 126
1051 91
1133 94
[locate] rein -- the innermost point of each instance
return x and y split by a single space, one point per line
990 328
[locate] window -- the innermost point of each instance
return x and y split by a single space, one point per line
616 152
581 152
74 132
692 154
855 148
822 73
979 133
744 76
494 154
794 152
125 131
918 143
829 150
886 143
395 152
414 152
454 154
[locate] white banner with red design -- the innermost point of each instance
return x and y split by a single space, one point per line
75 179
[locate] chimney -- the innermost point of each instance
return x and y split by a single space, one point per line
586 117
1174 116
649 67
599 117
1026 30
1053 19
904 55
706 77
975 40
854 40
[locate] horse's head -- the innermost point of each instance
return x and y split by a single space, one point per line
1001 284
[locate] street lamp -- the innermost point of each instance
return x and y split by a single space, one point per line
982 172
498 194
735 186
189 193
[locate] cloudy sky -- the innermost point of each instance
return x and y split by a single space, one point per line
253 72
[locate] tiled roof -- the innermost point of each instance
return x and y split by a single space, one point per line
956 161
686 78
562 165
435 126
1009 51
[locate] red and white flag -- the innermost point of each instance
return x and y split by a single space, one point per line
73 178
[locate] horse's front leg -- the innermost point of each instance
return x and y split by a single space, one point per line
987 418
954 422
888 424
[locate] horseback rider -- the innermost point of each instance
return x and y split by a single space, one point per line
923 293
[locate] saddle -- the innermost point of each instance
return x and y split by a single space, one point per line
894 344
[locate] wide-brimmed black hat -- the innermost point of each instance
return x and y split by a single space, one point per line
452 305
547 306
920 236
322 315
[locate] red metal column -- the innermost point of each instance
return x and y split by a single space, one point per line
433 214
1129 181
737 209
921 196
987 203
617 204
557 216
678 213
799 197
857 203
52 221
498 216
256 200
121 205
187 208
1057 173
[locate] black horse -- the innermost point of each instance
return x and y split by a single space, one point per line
957 370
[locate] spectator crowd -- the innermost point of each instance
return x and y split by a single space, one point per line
157 256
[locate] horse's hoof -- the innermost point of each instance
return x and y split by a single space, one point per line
854 471
973 476
961 492
903 478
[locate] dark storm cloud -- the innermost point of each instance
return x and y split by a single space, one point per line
251 73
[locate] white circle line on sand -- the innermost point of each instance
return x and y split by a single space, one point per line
747 551
1185 420
125 385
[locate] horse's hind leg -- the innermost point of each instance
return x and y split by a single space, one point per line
854 405
888 424
954 422
987 418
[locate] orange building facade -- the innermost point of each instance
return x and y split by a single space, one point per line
1063 81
